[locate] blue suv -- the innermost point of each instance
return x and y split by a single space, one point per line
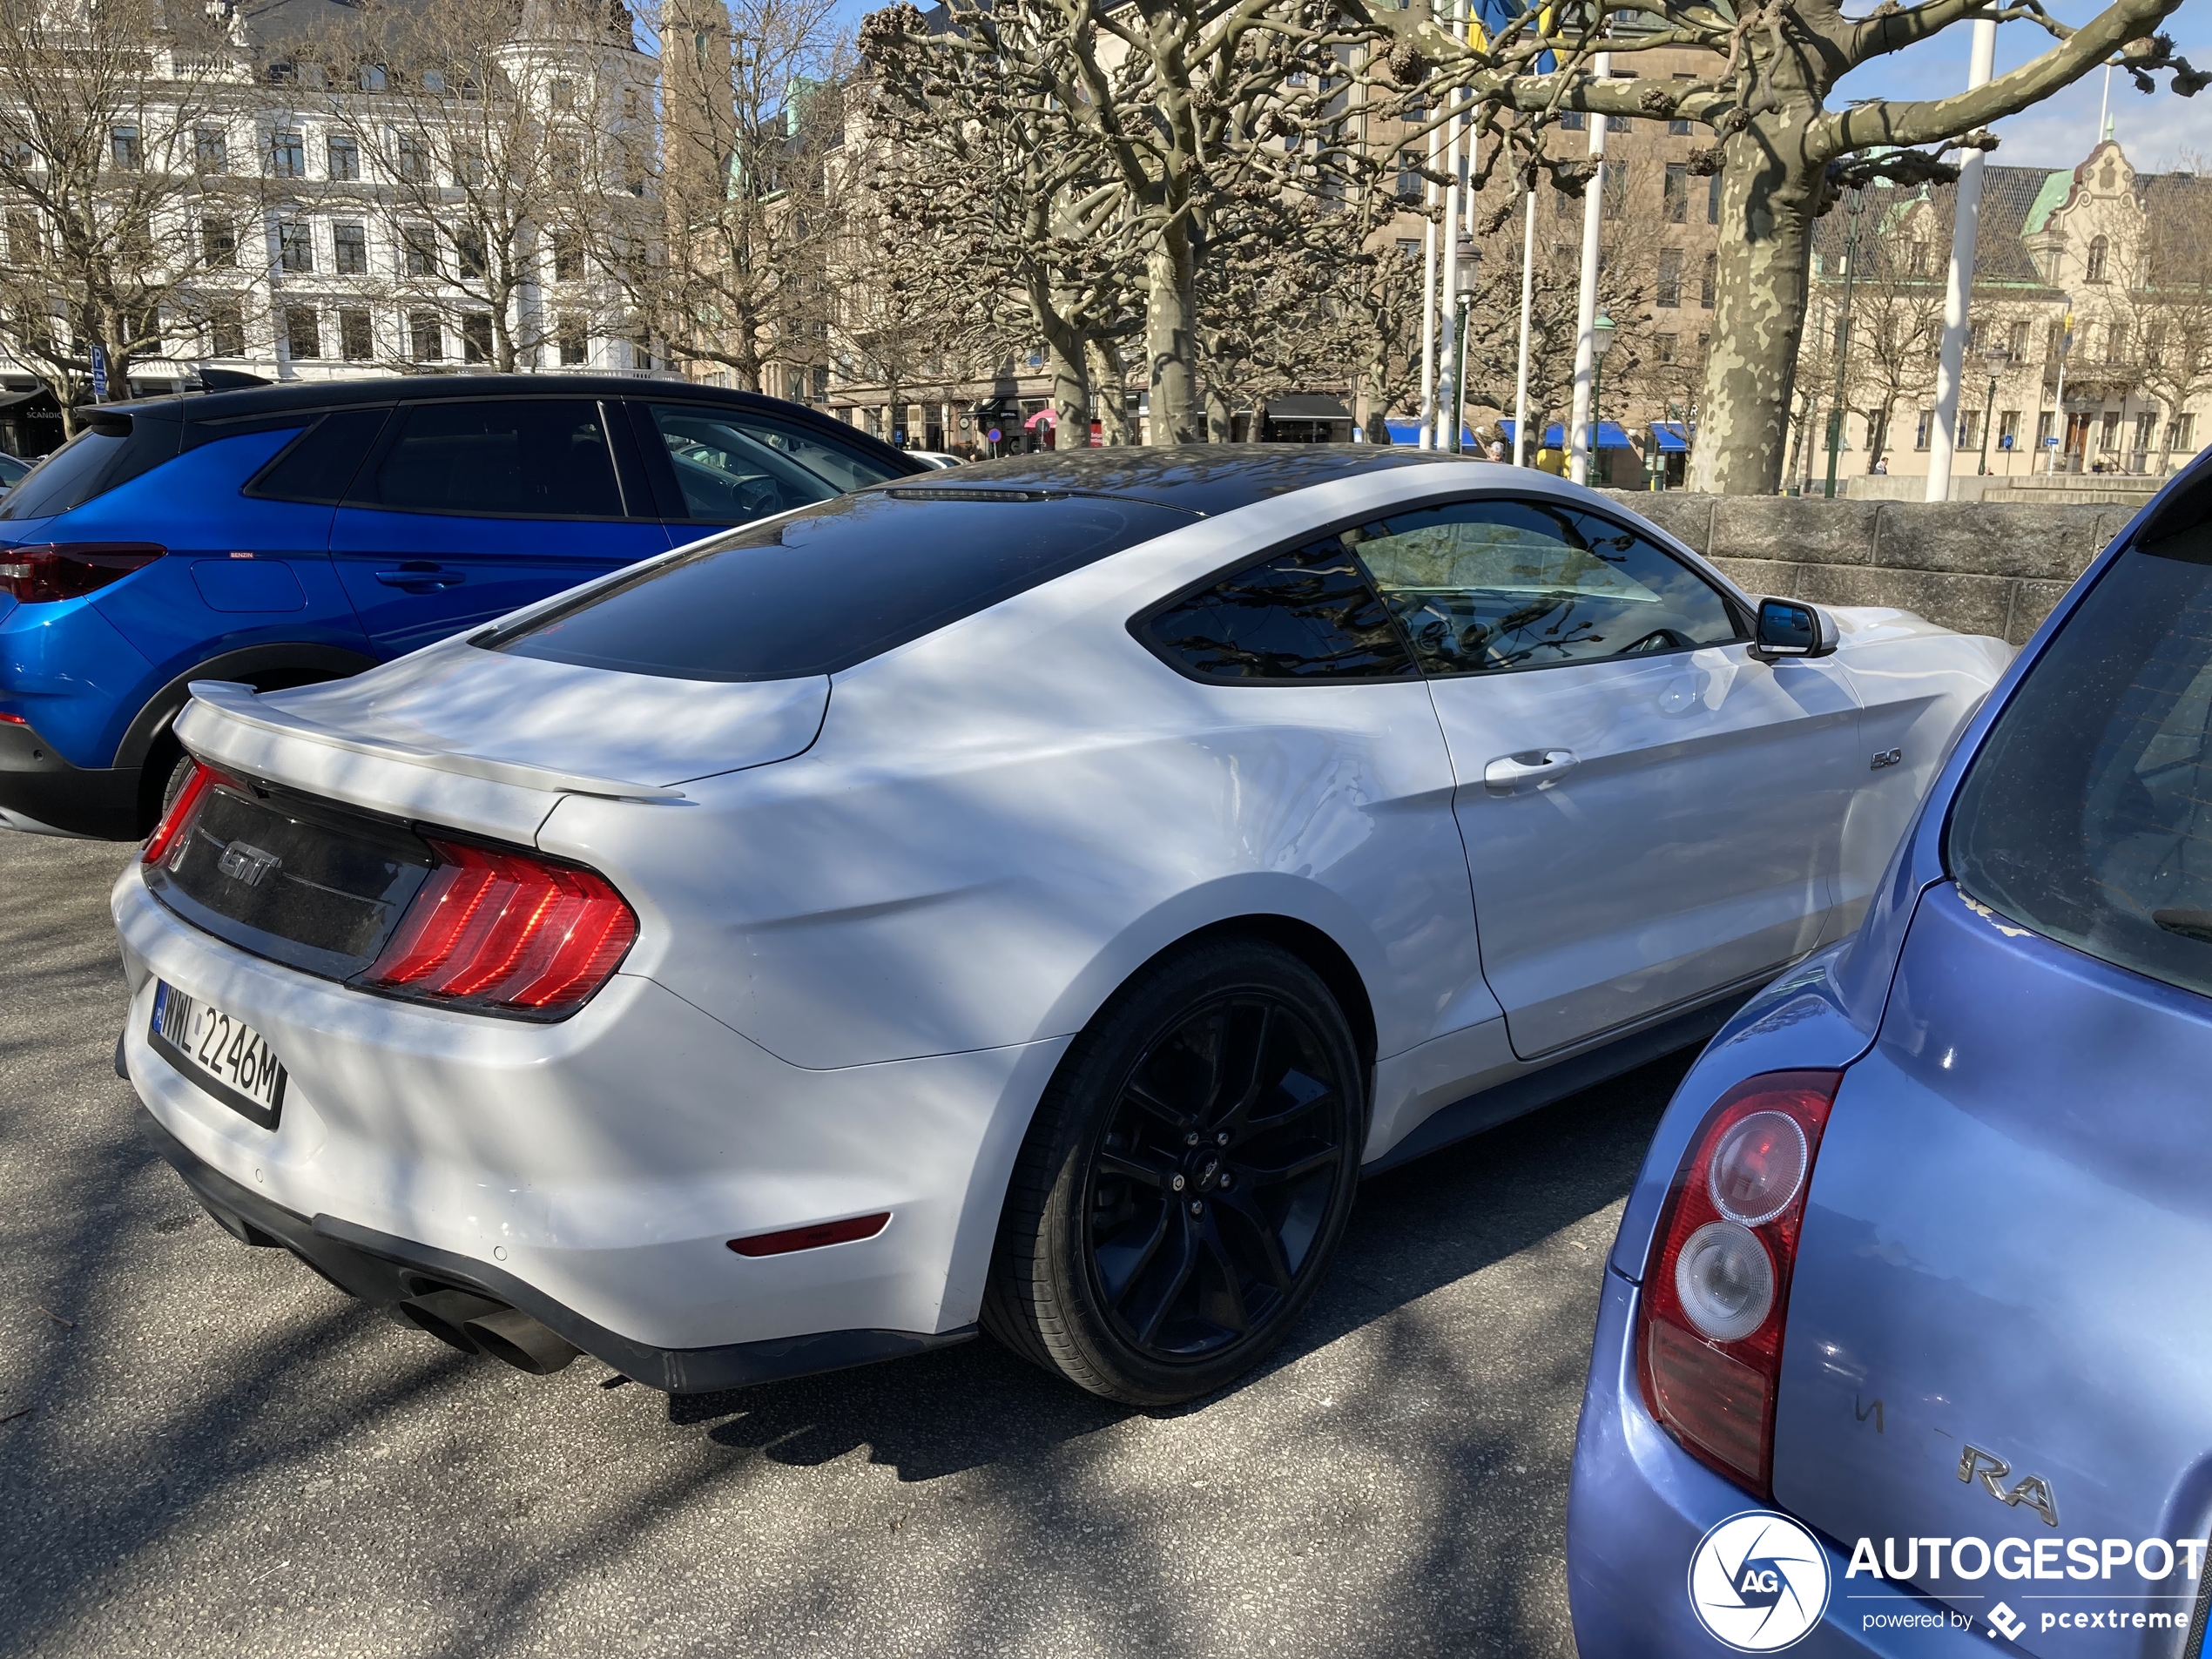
286 534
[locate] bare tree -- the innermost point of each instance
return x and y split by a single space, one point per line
102 163
1782 153
2167 298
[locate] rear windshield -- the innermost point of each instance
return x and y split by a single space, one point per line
2088 817
834 584
91 464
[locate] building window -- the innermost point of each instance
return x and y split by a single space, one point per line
345 161
1678 127
475 337
469 168
2145 425
2008 429
2115 342
2181 433
1969 429
1713 200
413 158
562 94
25 244
1410 181
302 333
1916 259
418 250
1663 347
1570 120
349 244
122 147
576 344
296 247
1617 189
794 384
2016 339
2108 438
288 154
218 243
1619 124
1409 248
372 77
568 163
2099 250
1920 433
225 329
356 343
821 385
283 74
1668 293
1977 337
468 254
211 151
1708 279
425 338
2153 344
1677 191
568 257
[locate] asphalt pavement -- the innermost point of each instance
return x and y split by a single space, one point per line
212 1451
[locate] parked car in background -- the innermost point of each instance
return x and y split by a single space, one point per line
1027 897
12 468
284 535
936 458
1915 1268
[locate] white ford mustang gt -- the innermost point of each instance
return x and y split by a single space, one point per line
1027 895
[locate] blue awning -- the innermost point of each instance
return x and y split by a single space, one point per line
1410 432
1609 435
1673 436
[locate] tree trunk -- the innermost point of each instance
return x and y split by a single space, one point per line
1070 393
1220 421
1171 337
1113 398
1769 191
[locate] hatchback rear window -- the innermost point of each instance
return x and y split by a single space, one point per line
834 584
2087 816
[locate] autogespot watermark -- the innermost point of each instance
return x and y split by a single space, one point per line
1759 1582
2152 1580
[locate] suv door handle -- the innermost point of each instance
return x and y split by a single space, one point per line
421 578
1542 767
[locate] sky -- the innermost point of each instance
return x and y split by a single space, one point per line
2056 133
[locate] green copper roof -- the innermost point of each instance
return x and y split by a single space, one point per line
2047 201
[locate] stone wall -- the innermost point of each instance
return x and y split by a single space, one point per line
1993 568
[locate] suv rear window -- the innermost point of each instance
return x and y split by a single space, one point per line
96 460
834 584
2087 816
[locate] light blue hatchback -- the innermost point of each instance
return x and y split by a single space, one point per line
1917 1273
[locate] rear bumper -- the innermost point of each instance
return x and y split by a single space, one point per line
42 793
385 1271
1638 1508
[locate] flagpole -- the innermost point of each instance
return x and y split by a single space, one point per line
1427 438
1447 311
1965 221
1527 300
1585 294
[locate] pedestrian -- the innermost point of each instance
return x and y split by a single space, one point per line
1881 466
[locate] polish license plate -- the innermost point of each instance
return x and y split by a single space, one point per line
219 1052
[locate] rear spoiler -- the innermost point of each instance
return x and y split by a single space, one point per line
243 703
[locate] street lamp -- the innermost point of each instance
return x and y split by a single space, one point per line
1603 329
1465 303
1996 357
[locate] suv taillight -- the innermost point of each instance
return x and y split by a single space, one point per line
1717 1287
491 929
67 570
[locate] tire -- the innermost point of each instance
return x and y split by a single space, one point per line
1186 1179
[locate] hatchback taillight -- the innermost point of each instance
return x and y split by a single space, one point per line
68 569
1717 1287
496 930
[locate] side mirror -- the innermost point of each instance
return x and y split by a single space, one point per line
1788 628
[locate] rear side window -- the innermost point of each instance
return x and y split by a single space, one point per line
832 585
2087 815
518 458
1304 616
90 464
319 464
731 465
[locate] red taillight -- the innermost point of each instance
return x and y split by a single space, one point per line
502 930
1717 1287
66 569
813 1238
180 811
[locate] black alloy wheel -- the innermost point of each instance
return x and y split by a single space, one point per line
1186 1180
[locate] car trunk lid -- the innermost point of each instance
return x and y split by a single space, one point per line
1997 1316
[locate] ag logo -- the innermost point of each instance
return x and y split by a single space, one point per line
1758 1581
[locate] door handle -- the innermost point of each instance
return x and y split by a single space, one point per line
1542 767
421 578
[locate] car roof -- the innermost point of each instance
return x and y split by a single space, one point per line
247 401
1205 479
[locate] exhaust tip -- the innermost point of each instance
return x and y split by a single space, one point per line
445 1315
513 1336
